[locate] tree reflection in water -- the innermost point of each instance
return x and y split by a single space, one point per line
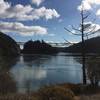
92 69
36 60
7 84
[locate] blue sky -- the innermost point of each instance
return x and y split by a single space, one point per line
43 19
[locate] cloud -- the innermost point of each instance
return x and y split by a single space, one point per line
26 12
85 6
22 29
52 35
50 41
89 27
4 6
24 75
88 4
37 2
60 20
98 12
45 13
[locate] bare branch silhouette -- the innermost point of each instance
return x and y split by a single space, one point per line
71 32
83 31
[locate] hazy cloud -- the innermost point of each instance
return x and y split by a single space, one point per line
98 12
89 27
60 20
22 29
37 2
52 35
94 27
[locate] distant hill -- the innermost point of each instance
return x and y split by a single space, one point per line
38 47
8 47
91 46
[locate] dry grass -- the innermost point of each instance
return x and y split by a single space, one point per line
79 89
88 97
58 92
18 97
45 93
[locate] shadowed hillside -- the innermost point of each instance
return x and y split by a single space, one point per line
8 47
91 46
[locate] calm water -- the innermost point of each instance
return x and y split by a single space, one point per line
29 73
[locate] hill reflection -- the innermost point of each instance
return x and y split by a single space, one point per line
7 84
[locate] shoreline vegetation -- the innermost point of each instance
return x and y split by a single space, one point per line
64 91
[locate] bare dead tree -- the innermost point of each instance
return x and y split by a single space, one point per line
84 30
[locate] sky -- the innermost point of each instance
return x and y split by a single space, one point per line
45 19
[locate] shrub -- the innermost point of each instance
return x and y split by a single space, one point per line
75 88
55 93
93 70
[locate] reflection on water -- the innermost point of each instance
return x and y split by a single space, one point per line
33 71
27 77
7 83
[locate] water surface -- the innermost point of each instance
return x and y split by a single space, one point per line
30 72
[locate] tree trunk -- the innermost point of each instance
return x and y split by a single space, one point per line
83 49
